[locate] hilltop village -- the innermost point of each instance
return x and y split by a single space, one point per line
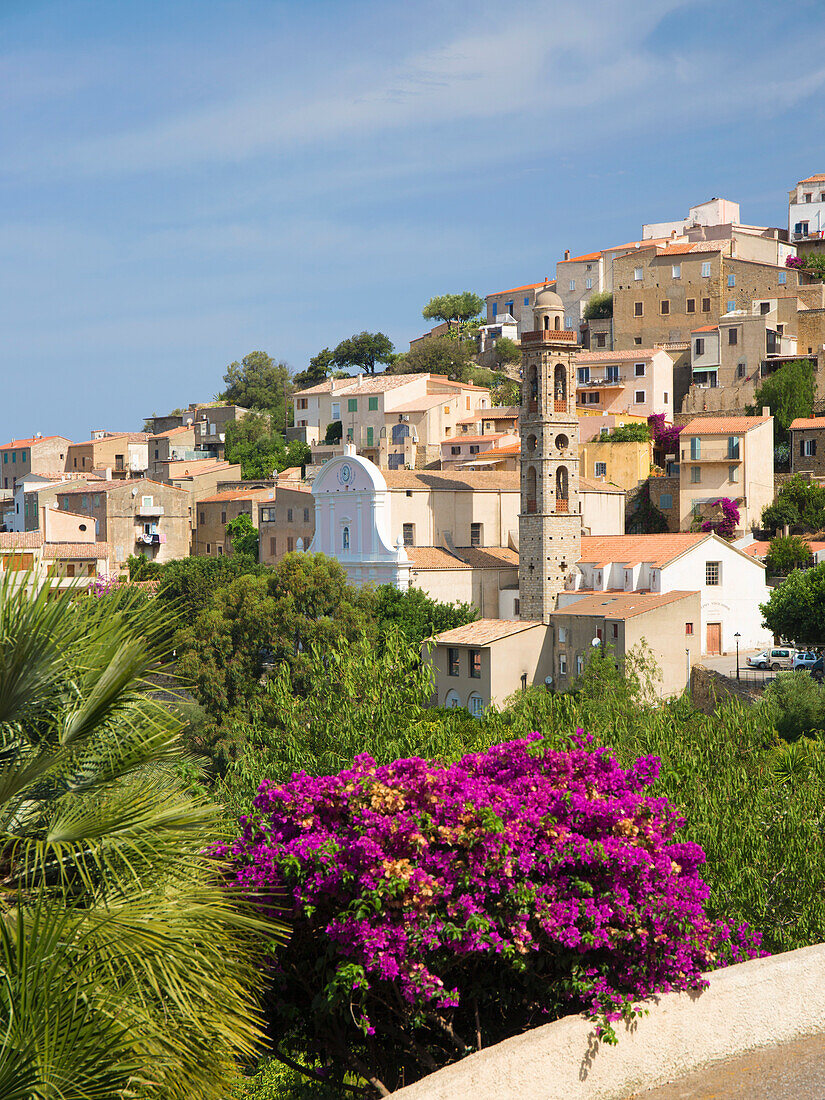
587 460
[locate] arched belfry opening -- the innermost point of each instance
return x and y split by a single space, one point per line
562 489
530 502
546 322
533 386
558 323
560 383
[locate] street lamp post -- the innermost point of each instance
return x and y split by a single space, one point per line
737 636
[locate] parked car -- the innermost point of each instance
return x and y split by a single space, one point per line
817 670
774 659
805 659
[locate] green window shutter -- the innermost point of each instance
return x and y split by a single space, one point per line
373 404
369 437
352 404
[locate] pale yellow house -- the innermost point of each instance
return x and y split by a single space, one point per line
726 457
397 421
622 464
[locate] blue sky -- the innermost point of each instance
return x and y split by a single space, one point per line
184 181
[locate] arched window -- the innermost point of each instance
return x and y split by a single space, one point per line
453 699
345 538
561 489
530 489
560 383
475 705
558 323
534 384
546 322
400 432
532 443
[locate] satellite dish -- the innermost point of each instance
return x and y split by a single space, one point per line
596 642
548 680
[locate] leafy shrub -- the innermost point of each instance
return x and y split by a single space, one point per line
788 552
599 306
799 503
439 907
795 704
334 432
628 433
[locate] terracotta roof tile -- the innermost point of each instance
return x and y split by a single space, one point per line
465 557
484 631
580 259
31 442
593 485
632 549
516 289
722 425
807 422
706 328
465 437
23 540
84 551
819 178
501 480
621 605
616 356
239 494
434 557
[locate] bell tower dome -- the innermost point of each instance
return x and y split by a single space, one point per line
549 521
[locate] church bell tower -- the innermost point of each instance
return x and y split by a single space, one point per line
549 521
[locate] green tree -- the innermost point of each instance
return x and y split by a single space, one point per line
141 568
599 306
243 535
506 351
416 614
437 355
453 308
320 367
126 964
799 503
795 704
258 382
187 585
261 451
259 621
363 351
788 393
786 553
334 432
796 608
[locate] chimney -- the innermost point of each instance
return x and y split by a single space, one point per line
360 380
567 253
766 411
108 474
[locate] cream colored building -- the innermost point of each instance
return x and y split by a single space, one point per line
396 421
124 454
626 465
667 623
460 450
728 457
638 382
484 662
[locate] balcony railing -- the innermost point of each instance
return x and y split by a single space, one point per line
149 510
560 406
549 336
562 505
616 380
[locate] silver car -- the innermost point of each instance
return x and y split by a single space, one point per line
774 659
805 659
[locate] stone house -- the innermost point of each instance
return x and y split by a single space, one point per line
808 446
212 513
45 455
517 302
135 516
286 523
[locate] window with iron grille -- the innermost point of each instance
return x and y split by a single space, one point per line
475 534
474 657
713 570
409 534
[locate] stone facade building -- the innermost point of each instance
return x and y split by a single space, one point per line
40 454
549 524
808 446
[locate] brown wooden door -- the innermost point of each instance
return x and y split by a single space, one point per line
714 638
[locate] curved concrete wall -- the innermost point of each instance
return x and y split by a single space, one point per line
745 1007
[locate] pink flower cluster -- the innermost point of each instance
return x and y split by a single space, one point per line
406 882
794 261
665 435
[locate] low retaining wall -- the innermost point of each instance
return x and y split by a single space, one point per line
746 1007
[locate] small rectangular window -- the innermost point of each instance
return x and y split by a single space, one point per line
666 501
306 515
572 284
764 307
583 374
690 305
699 346
209 547
455 450
696 475
637 309
783 278
615 630
475 534
740 371
733 446
712 572
588 284
640 397
733 473
706 305
695 447
638 274
562 664
453 659
474 656
731 280
730 306
676 271
527 301
562 634
601 339
223 517
409 534
665 307
517 605
289 515
808 449
639 370
706 269
688 628
579 664
601 469
272 545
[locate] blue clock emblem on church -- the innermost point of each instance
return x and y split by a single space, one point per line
345 474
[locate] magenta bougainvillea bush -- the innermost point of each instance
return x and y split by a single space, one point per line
729 521
436 908
665 435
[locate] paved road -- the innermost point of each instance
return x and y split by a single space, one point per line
793 1071
727 664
